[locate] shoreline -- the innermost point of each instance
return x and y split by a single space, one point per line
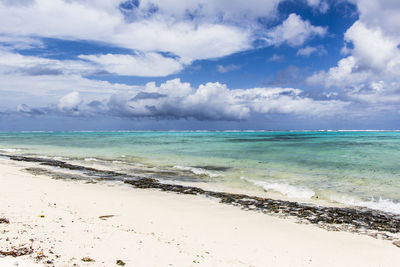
354 219
280 165
178 228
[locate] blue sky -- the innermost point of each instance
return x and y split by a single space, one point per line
185 65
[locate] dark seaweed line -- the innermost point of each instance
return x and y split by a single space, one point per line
360 218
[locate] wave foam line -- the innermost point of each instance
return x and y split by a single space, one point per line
92 159
386 205
283 188
198 171
10 150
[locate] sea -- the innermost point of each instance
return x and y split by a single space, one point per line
356 168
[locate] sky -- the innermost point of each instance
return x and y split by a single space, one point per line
199 65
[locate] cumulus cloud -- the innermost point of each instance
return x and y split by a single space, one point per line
346 73
372 47
175 99
69 102
380 14
215 101
294 31
369 72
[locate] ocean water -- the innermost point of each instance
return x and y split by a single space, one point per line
354 168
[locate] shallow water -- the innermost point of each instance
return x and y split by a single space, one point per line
356 168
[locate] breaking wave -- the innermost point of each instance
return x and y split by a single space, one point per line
92 159
10 150
283 188
382 204
198 171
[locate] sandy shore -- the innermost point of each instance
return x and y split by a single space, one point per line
61 222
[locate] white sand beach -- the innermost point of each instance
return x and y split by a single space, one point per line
61 221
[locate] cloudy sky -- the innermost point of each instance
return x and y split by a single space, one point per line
199 64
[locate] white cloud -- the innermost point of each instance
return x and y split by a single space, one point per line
30 65
191 30
228 68
294 31
142 64
42 90
145 65
345 74
20 42
184 39
369 72
309 50
173 88
163 31
362 68
371 46
321 5
187 30
289 101
226 10
215 101
380 14
276 58
313 2
69 102
172 99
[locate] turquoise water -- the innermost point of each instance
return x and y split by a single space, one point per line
356 168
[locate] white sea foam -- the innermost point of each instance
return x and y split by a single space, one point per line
9 150
198 171
283 188
386 205
53 157
382 204
91 159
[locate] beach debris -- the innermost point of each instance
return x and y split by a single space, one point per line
397 243
41 216
104 217
40 255
17 252
87 259
4 220
120 263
